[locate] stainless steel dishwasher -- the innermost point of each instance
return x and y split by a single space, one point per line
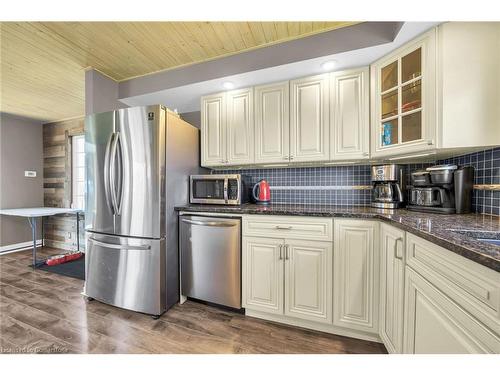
210 249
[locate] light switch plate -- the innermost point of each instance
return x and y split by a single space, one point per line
29 173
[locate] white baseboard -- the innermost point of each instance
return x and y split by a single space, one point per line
19 246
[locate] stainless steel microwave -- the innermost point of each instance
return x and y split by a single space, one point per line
229 189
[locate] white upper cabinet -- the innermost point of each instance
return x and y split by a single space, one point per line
310 119
240 127
213 130
356 274
438 92
403 99
272 117
349 115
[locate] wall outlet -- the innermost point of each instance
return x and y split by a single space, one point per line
29 173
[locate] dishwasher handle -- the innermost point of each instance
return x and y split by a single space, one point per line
210 223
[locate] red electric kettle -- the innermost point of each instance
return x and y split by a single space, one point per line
262 192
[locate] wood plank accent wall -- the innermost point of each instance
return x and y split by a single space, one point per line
60 230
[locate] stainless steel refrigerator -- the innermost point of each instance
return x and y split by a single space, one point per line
138 162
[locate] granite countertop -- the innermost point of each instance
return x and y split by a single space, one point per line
436 228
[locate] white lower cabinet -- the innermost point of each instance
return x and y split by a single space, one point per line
287 276
356 274
308 280
262 274
434 324
392 277
376 282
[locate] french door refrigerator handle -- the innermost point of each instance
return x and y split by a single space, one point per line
118 189
120 246
107 174
112 173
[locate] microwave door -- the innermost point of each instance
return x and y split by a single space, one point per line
211 190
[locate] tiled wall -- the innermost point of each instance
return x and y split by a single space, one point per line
350 185
486 173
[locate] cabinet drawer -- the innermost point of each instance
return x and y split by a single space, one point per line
472 286
307 228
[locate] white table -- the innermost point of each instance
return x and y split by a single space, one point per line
35 212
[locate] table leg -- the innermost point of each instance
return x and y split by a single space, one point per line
77 231
43 233
32 221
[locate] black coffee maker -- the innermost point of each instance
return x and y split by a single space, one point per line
442 189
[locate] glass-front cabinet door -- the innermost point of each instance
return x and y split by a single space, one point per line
403 99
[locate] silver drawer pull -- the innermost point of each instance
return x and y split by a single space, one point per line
283 227
210 223
120 247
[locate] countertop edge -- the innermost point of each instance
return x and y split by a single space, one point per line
467 253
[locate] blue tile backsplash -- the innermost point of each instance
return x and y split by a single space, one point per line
349 185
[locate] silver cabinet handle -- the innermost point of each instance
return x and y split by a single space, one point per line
396 248
119 246
210 223
365 153
430 142
286 252
283 227
291 157
281 252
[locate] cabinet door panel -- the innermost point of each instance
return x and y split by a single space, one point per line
272 123
310 124
356 274
263 274
392 287
213 130
403 99
349 114
436 325
240 127
308 280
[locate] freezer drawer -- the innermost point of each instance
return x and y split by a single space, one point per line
126 272
211 259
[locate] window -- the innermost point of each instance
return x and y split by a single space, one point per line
78 171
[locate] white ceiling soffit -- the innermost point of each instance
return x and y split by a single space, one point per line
187 98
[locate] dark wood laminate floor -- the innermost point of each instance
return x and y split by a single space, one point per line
41 312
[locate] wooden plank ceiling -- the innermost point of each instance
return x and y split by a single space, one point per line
43 63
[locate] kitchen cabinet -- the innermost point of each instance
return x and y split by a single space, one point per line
213 130
392 272
240 127
404 98
434 324
227 128
425 95
272 123
308 280
356 274
310 119
349 115
284 271
262 274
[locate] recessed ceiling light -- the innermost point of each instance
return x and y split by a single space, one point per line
329 65
228 85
